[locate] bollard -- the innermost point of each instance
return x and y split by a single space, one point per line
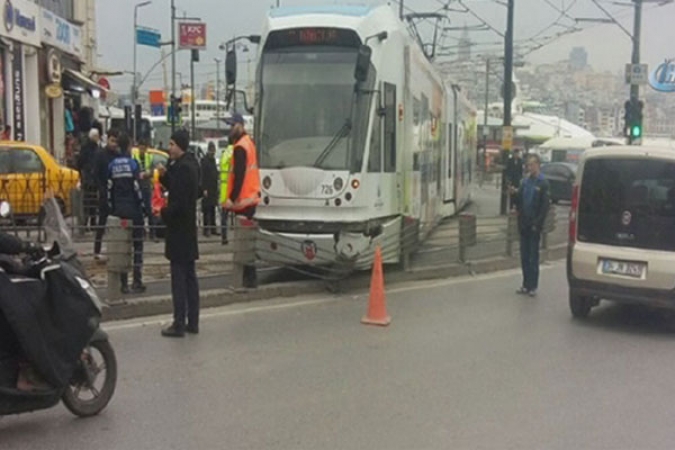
243 246
77 209
549 227
118 242
467 234
409 236
512 234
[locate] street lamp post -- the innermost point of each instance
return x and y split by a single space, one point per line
217 60
635 59
194 57
508 84
485 118
134 90
173 63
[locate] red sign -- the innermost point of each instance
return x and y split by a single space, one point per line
104 83
192 35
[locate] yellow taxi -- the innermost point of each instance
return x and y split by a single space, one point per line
156 157
28 171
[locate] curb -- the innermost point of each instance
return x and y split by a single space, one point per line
153 306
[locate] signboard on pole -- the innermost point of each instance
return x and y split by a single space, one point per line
191 36
637 74
149 37
18 93
507 138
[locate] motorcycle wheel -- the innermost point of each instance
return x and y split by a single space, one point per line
86 379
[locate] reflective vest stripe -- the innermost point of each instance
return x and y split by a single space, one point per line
250 190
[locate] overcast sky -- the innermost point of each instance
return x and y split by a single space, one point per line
608 47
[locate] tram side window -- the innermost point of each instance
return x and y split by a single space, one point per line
417 111
390 127
451 148
375 159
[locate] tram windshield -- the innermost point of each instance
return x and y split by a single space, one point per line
307 97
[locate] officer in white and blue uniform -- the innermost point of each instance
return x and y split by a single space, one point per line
125 200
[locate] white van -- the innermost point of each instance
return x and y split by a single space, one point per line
622 228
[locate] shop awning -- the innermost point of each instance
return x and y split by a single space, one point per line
79 81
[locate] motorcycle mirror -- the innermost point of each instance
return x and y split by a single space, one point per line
5 209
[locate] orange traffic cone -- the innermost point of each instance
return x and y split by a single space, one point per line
377 303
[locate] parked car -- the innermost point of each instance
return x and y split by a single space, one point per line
622 229
561 178
26 172
158 157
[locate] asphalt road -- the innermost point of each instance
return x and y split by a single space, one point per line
465 364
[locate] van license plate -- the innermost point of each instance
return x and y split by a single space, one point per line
624 268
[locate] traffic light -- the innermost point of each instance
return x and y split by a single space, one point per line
633 120
174 113
636 123
627 117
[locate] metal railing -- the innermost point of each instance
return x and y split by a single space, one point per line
458 240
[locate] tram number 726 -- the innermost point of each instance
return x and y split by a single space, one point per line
326 189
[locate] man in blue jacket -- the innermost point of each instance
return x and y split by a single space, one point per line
532 203
125 200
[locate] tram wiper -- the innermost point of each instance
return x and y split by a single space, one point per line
343 132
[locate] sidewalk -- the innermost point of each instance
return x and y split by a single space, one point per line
214 259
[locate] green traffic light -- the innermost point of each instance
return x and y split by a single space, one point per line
636 131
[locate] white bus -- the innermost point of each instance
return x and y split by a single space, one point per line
348 165
205 110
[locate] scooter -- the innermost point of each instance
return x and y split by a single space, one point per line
87 378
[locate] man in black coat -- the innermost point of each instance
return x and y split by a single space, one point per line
514 173
181 179
210 192
86 165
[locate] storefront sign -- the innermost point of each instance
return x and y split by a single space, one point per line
61 34
192 35
3 102
18 93
53 90
54 68
20 21
662 79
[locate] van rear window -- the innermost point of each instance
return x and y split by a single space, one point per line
628 202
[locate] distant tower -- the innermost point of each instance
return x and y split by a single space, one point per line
464 53
578 58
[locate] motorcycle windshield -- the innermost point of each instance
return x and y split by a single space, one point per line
56 229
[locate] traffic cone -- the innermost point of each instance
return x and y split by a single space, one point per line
377 303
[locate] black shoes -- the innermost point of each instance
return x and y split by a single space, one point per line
138 288
192 329
173 331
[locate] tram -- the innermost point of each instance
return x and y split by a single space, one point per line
360 137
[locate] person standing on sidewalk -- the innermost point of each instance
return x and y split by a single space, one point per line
514 173
225 165
86 165
144 160
125 199
103 159
243 183
532 204
181 179
210 194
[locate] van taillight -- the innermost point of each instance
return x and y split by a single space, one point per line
573 215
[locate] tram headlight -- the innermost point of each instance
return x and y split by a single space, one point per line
267 182
356 184
338 184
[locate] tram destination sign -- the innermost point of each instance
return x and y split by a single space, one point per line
313 36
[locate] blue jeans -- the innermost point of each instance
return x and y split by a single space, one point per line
529 259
